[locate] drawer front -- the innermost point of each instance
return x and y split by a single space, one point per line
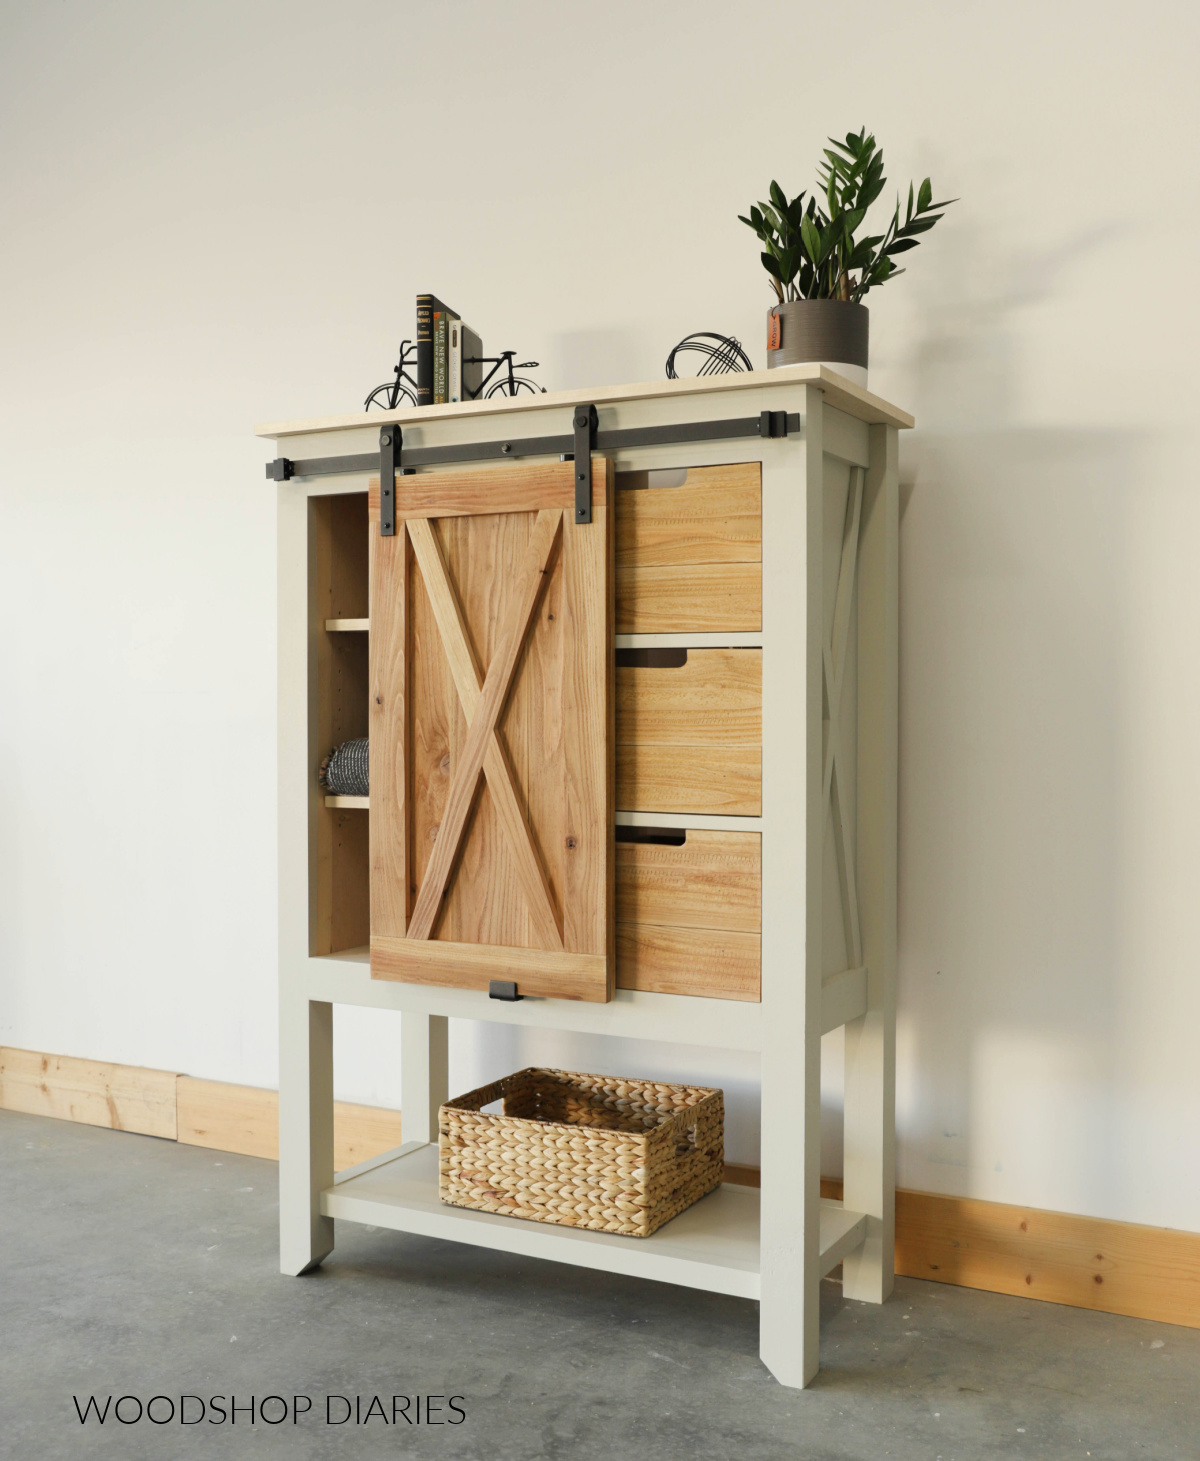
689 917
689 556
689 731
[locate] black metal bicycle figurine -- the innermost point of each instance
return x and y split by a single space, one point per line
508 385
402 390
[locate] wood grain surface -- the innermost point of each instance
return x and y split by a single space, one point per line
689 557
503 647
467 677
341 892
697 961
713 881
713 699
95 1092
472 491
551 973
716 780
1090 1263
530 570
714 516
689 598
231 1118
390 813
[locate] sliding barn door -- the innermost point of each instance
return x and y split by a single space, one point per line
491 733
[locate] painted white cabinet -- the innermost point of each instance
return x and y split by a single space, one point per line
693 841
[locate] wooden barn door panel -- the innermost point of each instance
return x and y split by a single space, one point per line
491 734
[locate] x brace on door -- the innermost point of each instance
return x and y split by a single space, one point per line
496 768
481 745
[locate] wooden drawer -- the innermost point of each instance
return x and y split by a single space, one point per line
689 556
689 917
689 731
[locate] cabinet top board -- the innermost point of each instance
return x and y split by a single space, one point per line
839 392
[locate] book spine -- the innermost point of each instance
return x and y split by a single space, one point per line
441 361
456 360
424 349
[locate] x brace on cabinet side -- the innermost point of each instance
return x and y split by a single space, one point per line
586 438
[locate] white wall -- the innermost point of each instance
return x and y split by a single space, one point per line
219 214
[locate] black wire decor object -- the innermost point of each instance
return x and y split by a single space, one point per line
346 770
723 352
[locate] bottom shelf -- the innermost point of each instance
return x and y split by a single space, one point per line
714 1245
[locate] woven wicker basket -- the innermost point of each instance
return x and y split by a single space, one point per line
589 1151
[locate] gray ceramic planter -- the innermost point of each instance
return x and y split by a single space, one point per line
823 331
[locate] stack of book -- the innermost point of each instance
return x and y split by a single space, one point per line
448 355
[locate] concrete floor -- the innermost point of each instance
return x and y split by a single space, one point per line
138 1267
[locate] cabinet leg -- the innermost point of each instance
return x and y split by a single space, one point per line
792 847
869 1272
870 1112
789 1305
305 1132
424 1074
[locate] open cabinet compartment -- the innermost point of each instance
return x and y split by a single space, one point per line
340 900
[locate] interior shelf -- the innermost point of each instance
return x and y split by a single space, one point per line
622 819
748 639
736 640
714 1245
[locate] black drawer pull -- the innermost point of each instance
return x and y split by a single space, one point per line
672 658
658 836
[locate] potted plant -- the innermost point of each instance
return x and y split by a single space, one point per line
817 266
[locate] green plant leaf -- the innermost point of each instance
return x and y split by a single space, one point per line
809 243
864 252
920 225
795 211
811 236
852 220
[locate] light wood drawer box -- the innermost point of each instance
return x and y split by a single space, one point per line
689 731
689 917
689 557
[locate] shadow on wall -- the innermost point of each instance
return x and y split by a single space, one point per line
1015 697
1011 700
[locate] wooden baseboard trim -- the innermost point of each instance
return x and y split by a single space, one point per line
1088 1263
95 1092
245 1119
